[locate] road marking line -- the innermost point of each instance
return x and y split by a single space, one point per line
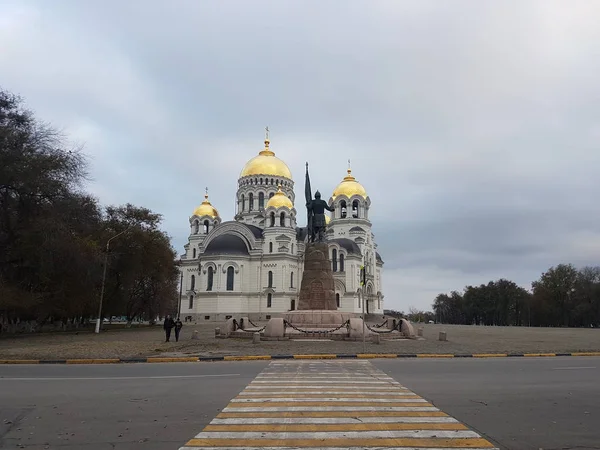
348 434
321 400
395 443
300 408
334 420
572 368
334 448
343 427
166 377
326 414
330 408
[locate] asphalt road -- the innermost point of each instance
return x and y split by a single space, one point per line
518 403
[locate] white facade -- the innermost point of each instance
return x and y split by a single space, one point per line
252 266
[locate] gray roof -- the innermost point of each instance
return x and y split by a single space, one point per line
256 231
348 244
226 244
378 256
357 228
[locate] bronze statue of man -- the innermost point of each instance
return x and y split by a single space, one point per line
316 210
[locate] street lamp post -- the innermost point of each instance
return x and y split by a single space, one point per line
99 319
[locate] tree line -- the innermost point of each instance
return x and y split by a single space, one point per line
53 236
564 296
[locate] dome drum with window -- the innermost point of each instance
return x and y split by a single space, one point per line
204 218
280 211
350 199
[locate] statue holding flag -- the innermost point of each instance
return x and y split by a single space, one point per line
315 212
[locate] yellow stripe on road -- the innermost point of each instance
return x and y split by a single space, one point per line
321 443
291 414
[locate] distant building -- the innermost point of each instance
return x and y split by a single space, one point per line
253 265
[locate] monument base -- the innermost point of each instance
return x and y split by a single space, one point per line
317 318
317 291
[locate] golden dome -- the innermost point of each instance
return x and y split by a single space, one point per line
266 163
206 209
349 187
327 219
280 199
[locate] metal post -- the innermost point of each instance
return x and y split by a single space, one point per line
99 319
364 319
180 289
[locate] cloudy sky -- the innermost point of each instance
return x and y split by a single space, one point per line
474 126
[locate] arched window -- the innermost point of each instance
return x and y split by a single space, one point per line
269 300
271 180
191 305
230 278
272 219
292 247
206 227
209 279
271 194
261 200
292 279
334 259
196 227
355 208
270 247
261 181
250 201
192 283
193 253
343 209
341 262
243 203
282 220
270 279
337 300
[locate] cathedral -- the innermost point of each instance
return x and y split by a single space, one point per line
252 266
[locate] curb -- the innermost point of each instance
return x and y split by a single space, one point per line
275 357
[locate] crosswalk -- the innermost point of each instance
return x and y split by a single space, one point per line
332 405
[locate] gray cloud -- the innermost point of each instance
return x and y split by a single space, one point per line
473 125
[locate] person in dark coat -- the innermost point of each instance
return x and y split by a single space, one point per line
168 326
178 327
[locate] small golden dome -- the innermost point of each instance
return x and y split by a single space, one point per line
327 219
206 209
280 199
349 187
266 163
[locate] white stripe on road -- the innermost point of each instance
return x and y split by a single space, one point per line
366 393
394 388
332 408
390 434
329 399
338 383
331 420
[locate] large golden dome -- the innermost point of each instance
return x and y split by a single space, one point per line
206 209
349 187
279 199
266 163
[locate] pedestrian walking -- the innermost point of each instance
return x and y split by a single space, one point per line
168 326
178 327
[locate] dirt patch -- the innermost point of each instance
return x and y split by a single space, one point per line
141 342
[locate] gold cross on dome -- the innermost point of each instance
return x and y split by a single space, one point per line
267 133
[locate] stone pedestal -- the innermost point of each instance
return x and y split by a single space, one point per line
317 291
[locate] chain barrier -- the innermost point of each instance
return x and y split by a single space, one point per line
236 327
397 327
252 323
381 324
346 324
